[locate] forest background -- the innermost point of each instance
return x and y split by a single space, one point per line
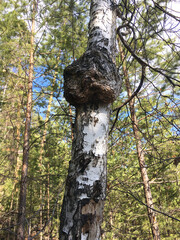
40 38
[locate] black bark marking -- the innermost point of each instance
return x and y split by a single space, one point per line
95 121
87 220
97 190
84 163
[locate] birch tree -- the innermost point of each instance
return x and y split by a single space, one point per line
91 85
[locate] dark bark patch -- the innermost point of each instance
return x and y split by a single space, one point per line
83 164
92 217
92 78
97 190
88 215
86 222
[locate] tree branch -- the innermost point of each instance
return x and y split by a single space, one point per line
142 62
132 96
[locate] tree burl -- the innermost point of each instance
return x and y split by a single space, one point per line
92 78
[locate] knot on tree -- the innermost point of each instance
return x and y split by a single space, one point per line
91 78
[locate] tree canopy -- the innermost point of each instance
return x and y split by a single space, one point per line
147 59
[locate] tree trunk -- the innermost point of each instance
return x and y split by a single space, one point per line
17 167
43 140
48 202
71 122
91 85
23 184
140 153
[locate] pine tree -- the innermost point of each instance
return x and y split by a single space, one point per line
23 185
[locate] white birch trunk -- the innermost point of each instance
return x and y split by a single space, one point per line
91 85
86 182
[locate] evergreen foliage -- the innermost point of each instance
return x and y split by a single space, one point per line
61 33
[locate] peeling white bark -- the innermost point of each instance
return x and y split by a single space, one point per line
95 133
102 27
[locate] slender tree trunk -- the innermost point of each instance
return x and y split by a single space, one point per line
43 140
15 189
23 184
91 85
48 202
57 222
140 153
71 122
